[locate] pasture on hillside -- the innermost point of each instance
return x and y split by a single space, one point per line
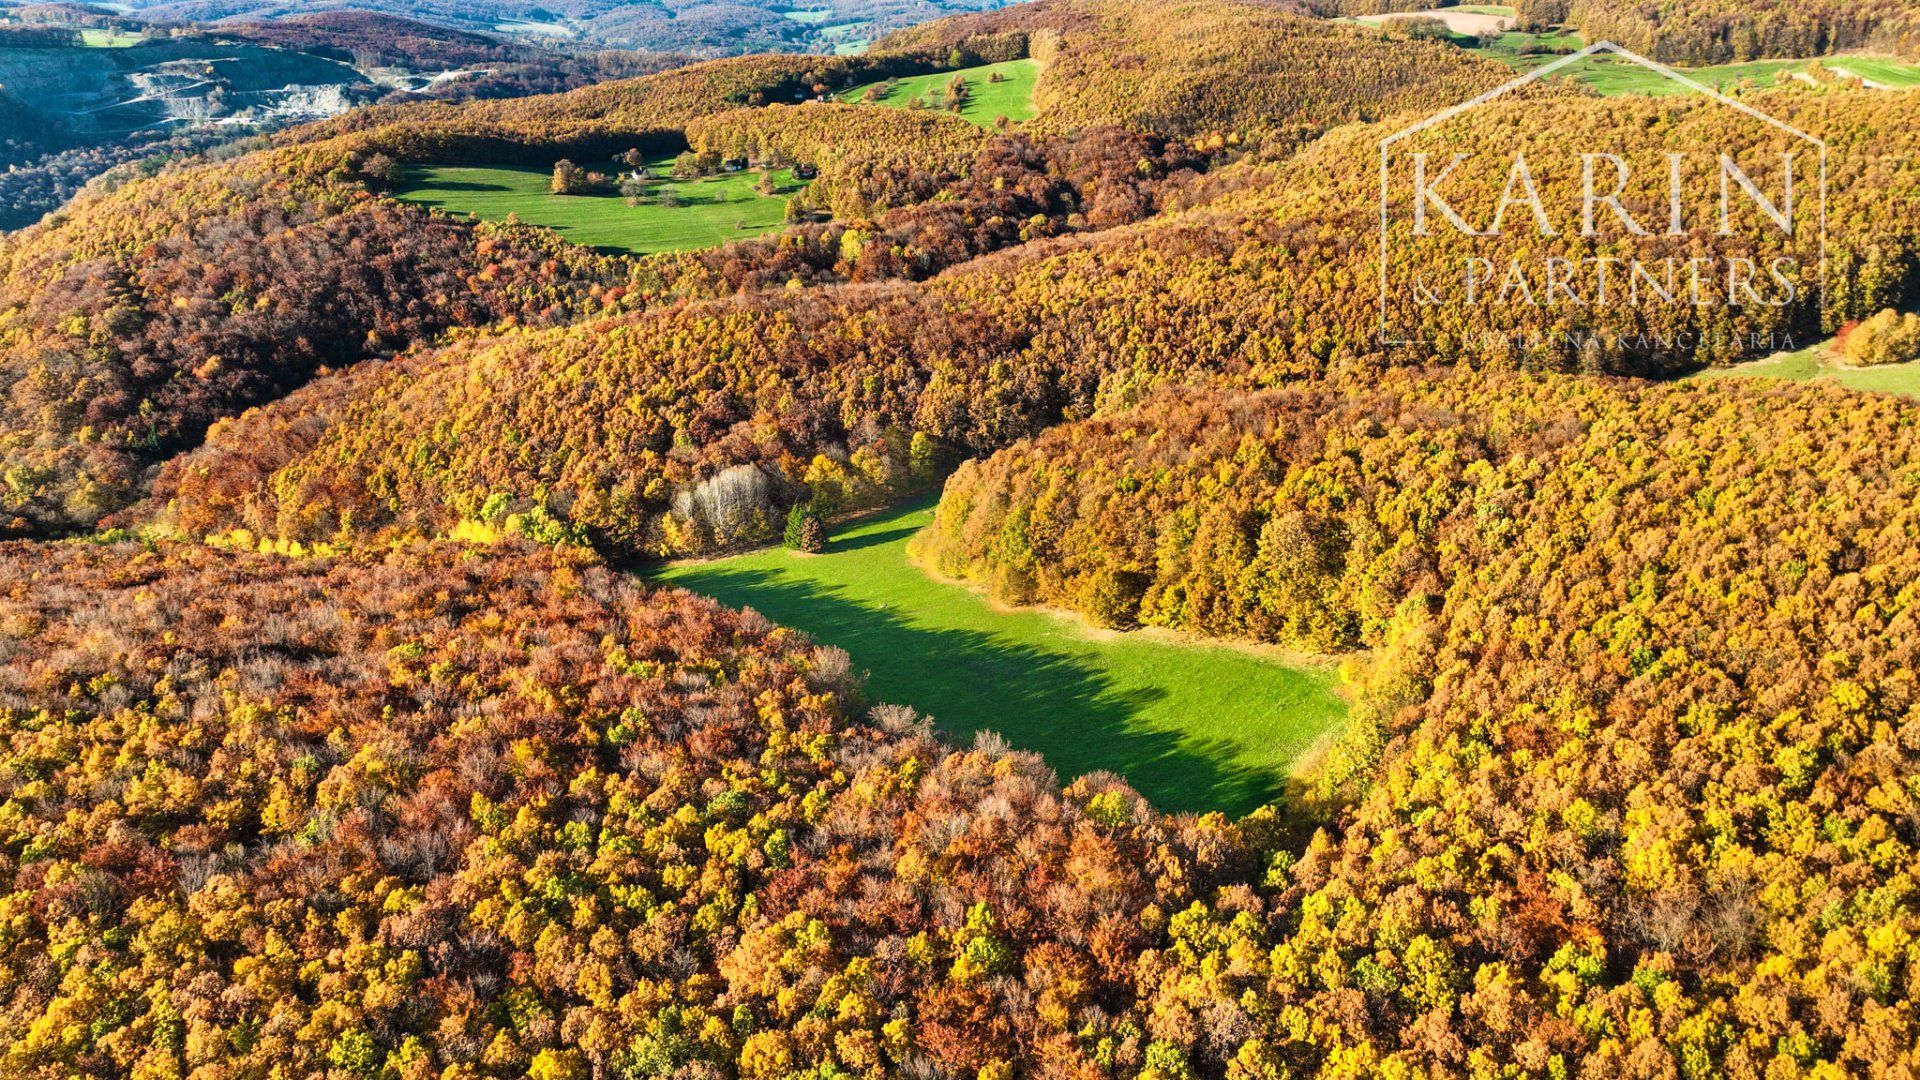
110 38
1817 362
1881 72
1191 725
1612 75
985 102
706 211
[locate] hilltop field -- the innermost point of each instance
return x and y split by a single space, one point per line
671 215
984 94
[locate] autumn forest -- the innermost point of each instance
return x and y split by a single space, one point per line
1064 602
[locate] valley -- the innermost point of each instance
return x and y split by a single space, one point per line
958 542
1193 725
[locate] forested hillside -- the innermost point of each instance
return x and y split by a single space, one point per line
153 307
667 449
339 738
1654 814
1698 32
1607 743
1716 31
228 340
1219 69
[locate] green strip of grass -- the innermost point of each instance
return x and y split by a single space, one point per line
986 100
1879 70
1613 75
1816 362
1192 726
108 39
710 211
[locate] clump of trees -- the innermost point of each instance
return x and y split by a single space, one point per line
1886 337
868 160
805 531
1421 28
571 179
957 92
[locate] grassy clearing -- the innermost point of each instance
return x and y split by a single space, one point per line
986 100
711 211
1881 71
1817 362
1612 75
108 39
1192 726
1520 47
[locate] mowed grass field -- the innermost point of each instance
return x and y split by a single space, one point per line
986 100
710 211
1192 726
1816 362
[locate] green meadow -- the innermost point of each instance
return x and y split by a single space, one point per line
1816 362
710 211
109 39
986 100
1611 75
1193 726
1878 70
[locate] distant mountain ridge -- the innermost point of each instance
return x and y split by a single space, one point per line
695 26
78 107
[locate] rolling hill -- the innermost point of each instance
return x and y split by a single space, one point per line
1206 682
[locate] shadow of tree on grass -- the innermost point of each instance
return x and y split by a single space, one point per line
869 539
1065 710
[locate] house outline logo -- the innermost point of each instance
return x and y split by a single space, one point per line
1542 72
